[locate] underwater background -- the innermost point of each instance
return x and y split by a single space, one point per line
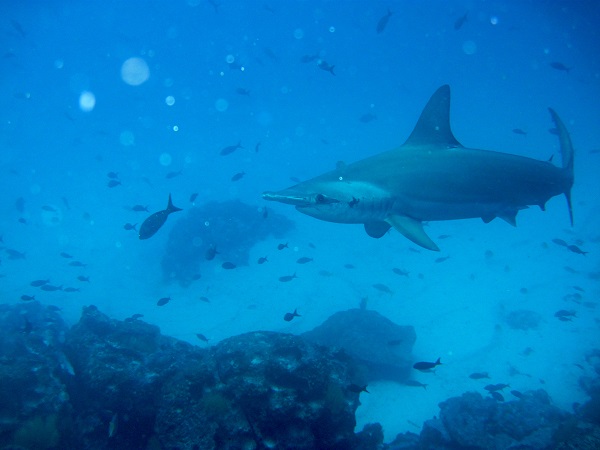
109 105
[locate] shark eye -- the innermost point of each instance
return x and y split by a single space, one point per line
320 198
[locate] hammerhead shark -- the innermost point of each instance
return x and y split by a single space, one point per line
433 177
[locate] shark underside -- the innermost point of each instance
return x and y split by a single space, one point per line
432 177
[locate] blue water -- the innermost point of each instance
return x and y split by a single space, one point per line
69 115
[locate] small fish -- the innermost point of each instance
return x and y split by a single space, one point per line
257 147
211 252
113 175
163 301
201 337
173 174
565 319
368 117
38 283
383 21
349 266
282 246
580 289
560 242
262 260
228 265
443 236
130 226
304 260
83 278
22 220
357 388
309 58
424 366
113 425
155 221
50 288
238 176
441 259
137 316
113 183
287 278
496 387
414 383
517 393
575 249
66 255
49 208
519 131
14 254
230 149
77 264
204 299
71 289
27 298
288 317
565 313
242 91
193 197
497 396
383 288
461 21
139 208
560 66
401 272
323 65
479 375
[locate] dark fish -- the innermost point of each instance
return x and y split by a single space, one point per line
204 299
38 283
139 208
461 21
575 249
22 220
560 242
242 91
77 264
153 223
286 278
71 289
580 289
66 202
163 301
311 245
130 226
228 265
357 388
366 118
304 260
27 298
230 149
382 23
401 272
560 66
271 55
424 366
83 278
414 383
441 259
202 337
211 252
383 288
565 313
238 176
496 387
519 131
14 254
347 266
323 65
517 394
262 260
497 396
49 208
113 175
309 58
193 197
173 174
113 183
565 319
282 246
479 375
288 317
51 288
257 147
20 205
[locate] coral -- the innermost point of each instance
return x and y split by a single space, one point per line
37 433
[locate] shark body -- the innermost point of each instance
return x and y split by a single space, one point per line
432 177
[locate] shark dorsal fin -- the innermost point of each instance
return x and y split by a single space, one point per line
433 127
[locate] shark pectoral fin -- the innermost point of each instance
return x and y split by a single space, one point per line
377 229
412 229
510 217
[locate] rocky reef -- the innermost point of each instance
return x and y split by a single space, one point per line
231 227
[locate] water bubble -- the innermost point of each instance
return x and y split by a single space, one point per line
170 100
230 59
87 101
494 20
298 33
127 138
207 223
59 64
135 71
469 47
165 159
332 29
175 127
221 104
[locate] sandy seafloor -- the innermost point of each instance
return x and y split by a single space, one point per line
307 120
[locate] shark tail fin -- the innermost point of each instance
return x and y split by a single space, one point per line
567 153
